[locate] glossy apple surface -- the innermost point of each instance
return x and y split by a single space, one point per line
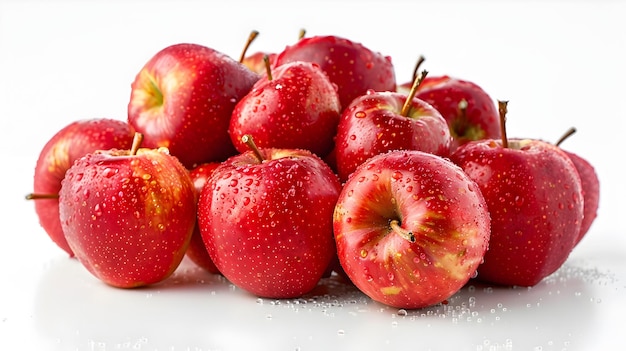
128 217
296 108
353 67
197 251
373 124
534 196
590 184
475 119
66 146
411 228
183 98
268 224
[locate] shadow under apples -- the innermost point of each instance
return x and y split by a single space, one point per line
196 309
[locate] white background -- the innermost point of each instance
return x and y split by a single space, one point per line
560 64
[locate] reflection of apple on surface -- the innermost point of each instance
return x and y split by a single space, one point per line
534 196
69 144
128 215
411 228
182 99
266 219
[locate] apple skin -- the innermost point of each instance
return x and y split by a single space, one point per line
590 184
128 218
268 225
297 109
432 198
197 251
373 124
183 98
534 196
480 120
66 146
351 66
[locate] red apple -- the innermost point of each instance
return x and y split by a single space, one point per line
411 228
128 215
353 67
182 99
66 146
378 122
294 107
266 219
197 251
534 196
471 114
590 184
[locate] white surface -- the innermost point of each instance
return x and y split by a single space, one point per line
559 64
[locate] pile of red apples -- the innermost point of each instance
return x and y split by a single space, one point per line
277 170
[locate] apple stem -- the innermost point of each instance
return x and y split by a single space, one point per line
502 110
302 33
251 37
567 134
35 196
416 83
247 139
407 234
137 140
268 68
419 62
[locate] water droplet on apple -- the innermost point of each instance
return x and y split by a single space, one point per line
349 219
363 253
86 193
352 137
519 201
161 226
246 201
97 210
360 114
397 175
391 276
108 172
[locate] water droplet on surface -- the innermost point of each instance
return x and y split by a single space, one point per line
360 114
